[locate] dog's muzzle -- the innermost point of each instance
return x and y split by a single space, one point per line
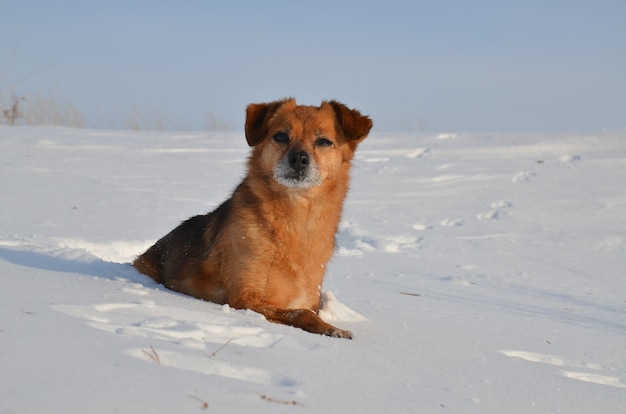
297 169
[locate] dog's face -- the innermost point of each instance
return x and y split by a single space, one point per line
301 147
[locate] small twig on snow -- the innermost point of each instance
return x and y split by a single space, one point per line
205 405
274 400
152 354
220 348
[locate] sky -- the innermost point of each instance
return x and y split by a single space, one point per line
439 65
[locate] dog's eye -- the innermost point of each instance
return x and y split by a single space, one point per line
281 138
323 142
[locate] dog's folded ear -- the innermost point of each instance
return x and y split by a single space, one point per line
258 117
354 125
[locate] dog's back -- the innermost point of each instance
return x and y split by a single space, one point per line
177 259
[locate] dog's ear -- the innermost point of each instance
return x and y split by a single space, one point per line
258 117
354 125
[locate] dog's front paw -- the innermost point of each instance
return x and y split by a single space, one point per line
338 333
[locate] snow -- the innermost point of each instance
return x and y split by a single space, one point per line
479 273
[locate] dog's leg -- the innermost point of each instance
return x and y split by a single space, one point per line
242 297
304 319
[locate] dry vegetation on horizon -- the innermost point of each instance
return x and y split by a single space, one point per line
53 109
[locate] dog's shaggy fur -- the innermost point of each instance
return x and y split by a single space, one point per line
266 248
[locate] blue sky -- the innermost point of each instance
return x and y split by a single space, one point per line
431 65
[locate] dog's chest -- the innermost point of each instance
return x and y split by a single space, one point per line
297 270
303 301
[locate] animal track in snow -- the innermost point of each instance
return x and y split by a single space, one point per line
451 222
495 211
523 176
172 329
489 215
501 204
352 241
422 226
419 153
193 329
582 371
459 280
570 160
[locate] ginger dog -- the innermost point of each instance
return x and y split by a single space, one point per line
266 248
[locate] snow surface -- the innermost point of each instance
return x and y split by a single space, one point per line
479 273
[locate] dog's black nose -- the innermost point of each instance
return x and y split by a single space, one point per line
298 160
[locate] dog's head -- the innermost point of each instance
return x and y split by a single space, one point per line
303 146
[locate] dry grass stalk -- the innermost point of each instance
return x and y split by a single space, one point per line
152 354
52 109
274 400
205 405
40 109
13 113
220 348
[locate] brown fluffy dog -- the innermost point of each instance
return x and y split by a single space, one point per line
266 247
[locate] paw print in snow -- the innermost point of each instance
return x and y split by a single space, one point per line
496 210
523 177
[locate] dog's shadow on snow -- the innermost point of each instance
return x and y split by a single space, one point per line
89 266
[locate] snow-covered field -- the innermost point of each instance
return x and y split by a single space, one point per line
479 273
